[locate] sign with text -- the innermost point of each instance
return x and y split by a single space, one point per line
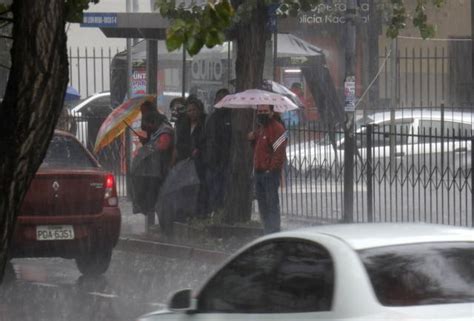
350 94
334 13
207 71
138 82
99 19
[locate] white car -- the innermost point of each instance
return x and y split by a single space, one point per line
417 138
340 272
89 115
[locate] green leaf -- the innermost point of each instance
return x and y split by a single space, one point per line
174 40
224 10
214 38
173 43
194 45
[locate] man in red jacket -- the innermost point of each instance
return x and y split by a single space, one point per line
269 142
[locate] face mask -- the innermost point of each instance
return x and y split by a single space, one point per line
263 119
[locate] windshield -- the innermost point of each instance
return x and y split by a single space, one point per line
66 152
421 274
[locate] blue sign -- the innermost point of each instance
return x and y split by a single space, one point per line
99 19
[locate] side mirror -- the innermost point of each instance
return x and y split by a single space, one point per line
182 301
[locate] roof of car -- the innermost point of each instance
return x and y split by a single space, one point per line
457 116
370 235
86 101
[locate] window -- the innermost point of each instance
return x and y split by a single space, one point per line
283 276
449 127
421 274
402 131
431 131
381 134
65 152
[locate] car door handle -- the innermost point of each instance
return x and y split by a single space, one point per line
399 154
460 150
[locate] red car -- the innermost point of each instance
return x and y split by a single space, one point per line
70 210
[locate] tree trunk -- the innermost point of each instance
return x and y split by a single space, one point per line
33 101
251 36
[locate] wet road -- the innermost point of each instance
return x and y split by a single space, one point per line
53 289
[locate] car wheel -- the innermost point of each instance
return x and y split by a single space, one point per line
94 263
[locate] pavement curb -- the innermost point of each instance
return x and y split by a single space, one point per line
131 244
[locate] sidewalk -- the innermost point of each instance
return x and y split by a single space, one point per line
188 240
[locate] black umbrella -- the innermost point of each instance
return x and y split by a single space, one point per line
178 195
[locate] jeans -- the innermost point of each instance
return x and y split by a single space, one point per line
266 188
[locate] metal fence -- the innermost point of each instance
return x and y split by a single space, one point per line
89 69
426 76
401 174
406 173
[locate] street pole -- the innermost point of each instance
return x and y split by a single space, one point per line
128 141
349 109
393 102
152 66
183 88
129 57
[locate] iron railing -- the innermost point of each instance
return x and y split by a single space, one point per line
401 174
89 69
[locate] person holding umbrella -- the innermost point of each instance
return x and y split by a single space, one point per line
269 142
152 162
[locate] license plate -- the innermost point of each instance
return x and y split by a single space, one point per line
54 232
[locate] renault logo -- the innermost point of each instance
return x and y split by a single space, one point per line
55 186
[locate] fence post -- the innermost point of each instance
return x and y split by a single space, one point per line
370 214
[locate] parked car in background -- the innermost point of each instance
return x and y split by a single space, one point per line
70 210
419 138
89 115
340 272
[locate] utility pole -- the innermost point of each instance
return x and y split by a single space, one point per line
151 60
128 141
393 101
349 108
129 56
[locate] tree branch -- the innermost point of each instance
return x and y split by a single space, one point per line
6 11
10 20
4 66
6 37
5 24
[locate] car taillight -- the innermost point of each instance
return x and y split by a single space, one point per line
110 195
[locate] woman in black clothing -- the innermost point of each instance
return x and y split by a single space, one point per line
191 143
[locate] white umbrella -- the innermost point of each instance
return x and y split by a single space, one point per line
253 97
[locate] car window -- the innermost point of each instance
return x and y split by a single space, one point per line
422 274
381 134
449 126
65 152
432 130
274 277
402 131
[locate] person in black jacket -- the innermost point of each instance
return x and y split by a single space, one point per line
191 143
218 142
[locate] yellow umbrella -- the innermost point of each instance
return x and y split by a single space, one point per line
118 120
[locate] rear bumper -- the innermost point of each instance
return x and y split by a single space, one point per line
90 231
